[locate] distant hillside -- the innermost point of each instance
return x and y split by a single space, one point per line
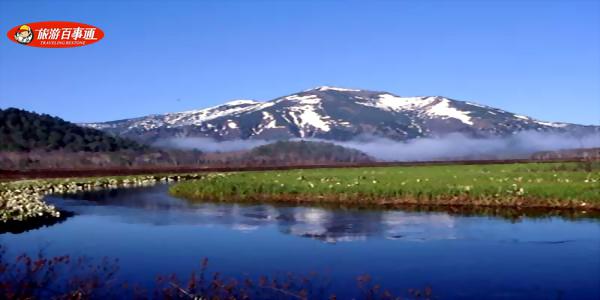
305 152
282 153
21 130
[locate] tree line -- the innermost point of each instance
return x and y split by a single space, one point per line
21 130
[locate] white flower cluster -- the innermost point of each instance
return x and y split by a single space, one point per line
24 203
22 200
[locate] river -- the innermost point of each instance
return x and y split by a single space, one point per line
459 257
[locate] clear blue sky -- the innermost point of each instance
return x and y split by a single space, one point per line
539 58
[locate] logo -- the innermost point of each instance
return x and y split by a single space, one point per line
55 34
24 35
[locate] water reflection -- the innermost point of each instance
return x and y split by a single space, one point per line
154 206
462 255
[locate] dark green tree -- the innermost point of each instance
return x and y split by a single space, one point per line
21 130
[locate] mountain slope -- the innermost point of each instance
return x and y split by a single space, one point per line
335 114
21 130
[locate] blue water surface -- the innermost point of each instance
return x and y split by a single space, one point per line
459 257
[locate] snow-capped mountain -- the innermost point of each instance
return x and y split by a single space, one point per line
333 113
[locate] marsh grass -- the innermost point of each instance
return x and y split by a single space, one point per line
551 185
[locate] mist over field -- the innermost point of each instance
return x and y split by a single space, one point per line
457 145
454 145
209 144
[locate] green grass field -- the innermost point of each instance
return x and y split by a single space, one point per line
569 185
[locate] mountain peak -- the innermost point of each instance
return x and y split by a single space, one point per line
241 102
324 88
335 113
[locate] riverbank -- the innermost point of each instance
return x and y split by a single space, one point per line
574 186
549 185
22 201
20 174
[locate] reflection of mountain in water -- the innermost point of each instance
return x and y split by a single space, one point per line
154 206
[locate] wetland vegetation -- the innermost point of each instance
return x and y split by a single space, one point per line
527 185
41 277
575 186
151 232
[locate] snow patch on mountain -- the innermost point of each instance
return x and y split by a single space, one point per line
148 124
305 115
306 99
552 124
241 102
332 88
99 126
444 110
431 106
268 122
231 124
390 102
199 117
478 105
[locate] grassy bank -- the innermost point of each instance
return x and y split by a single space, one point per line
23 200
552 185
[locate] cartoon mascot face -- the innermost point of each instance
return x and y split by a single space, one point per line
24 35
